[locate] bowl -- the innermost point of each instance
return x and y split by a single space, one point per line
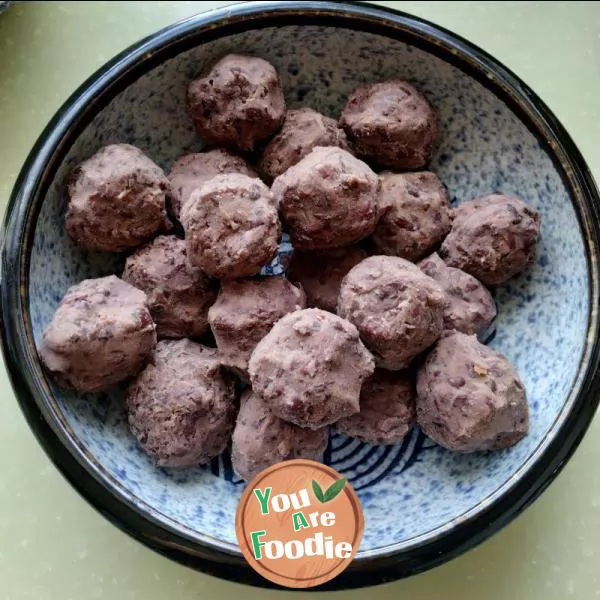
422 504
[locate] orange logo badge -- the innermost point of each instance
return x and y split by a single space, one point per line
299 523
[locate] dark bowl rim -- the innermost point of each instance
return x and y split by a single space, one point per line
44 159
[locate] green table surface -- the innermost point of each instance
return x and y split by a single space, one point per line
54 546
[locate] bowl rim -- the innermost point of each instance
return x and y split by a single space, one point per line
93 482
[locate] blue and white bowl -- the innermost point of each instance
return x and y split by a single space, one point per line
422 504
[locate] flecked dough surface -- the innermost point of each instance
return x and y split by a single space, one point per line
416 215
310 367
179 295
320 273
397 309
303 130
116 200
469 397
191 171
181 406
237 102
391 124
328 199
493 238
101 334
231 226
469 307
260 439
244 313
387 409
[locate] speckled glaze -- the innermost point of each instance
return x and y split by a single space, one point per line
411 493
536 311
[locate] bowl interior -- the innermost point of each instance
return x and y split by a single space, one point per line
408 491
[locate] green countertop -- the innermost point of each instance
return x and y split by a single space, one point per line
54 546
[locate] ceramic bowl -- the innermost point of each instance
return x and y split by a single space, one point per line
422 504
